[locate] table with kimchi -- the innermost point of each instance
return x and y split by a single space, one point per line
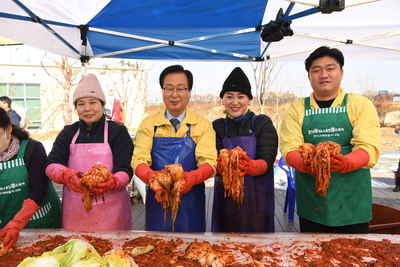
274 249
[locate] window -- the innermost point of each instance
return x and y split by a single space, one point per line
25 96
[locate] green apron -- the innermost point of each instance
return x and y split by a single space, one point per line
349 195
15 188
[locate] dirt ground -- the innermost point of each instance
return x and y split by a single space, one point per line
389 139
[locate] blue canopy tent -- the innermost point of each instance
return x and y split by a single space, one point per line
198 30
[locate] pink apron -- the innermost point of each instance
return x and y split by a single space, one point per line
115 213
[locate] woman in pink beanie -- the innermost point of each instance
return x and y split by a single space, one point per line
90 141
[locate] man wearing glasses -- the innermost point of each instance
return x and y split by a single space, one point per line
176 134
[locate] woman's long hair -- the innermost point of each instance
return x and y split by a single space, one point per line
5 121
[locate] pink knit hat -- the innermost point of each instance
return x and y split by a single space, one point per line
89 86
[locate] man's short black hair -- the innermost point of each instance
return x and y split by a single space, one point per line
324 51
6 99
176 69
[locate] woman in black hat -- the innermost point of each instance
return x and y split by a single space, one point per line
256 135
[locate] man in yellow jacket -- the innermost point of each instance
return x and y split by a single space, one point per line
350 120
176 134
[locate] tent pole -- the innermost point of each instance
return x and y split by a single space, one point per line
83 69
83 29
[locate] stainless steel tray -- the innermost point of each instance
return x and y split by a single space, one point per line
284 244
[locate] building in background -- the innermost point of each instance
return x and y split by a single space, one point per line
34 81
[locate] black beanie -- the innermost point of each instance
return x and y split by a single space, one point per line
237 81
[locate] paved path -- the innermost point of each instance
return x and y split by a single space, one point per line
383 179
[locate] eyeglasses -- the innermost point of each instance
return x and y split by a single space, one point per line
179 90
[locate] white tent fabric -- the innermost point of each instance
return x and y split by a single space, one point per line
373 29
226 30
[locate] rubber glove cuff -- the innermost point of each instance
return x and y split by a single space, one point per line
55 172
355 160
11 231
257 167
115 181
144 173
198 176
294 160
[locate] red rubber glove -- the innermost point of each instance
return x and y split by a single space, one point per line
71 179
338 161
308 169
108 185
350 162
244 164
144 173
11 231
62 175
294 159
220 168
197 176
114 182
252 167
257 167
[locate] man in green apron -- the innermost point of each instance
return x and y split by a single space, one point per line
351 121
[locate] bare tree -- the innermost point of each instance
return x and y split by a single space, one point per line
298 86
129 86
265 75
66 81
370 94
367 84
276 98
